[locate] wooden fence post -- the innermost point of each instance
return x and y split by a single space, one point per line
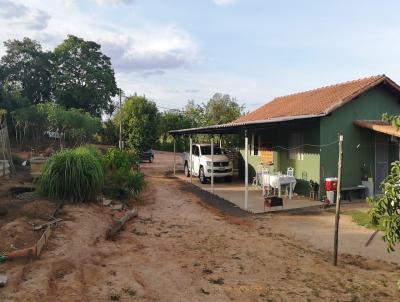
337 216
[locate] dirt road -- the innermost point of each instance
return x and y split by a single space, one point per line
181 249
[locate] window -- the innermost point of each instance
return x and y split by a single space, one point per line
255 145
206 150
195 150
296 148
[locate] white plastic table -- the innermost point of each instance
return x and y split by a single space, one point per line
277 181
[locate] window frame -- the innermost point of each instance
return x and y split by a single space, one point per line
296 139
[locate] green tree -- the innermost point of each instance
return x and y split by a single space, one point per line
222 109
139 118
26 68
109 133
31 122
83 76
75 124
170 120
386 209
195 113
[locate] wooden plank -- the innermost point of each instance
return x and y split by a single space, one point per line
116 226
43 240
28 252
41 226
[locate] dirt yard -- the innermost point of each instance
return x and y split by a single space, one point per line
182 249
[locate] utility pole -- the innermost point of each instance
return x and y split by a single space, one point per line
338 188
120 119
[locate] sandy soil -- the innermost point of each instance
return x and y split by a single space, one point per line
181 249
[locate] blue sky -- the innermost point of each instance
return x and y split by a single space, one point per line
254 50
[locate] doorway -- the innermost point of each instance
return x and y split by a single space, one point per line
381 160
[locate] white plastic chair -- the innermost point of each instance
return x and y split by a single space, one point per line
289 189
267 188
257 180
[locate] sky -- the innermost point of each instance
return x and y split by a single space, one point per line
173 51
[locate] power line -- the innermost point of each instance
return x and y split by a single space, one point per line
308 145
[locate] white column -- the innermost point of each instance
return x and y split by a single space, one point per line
190 158
174 155
246 170
212 165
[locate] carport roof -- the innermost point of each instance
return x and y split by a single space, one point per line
232 128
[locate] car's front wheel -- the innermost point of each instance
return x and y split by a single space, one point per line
202 177
151 159
187 173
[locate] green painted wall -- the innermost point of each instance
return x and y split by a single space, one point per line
278 136
359 143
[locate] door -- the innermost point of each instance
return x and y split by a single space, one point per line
381 160
196 160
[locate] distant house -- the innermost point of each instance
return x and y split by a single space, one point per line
301 131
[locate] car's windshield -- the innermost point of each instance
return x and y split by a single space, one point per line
206 150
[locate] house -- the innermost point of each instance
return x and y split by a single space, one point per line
301 131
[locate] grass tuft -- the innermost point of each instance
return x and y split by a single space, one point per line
363 219
74 175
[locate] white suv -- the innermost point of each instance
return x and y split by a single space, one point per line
201 163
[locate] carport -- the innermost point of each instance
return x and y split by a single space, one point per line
241 192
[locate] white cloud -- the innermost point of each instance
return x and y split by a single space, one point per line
151 49
184 86
20 15
115 2
148 50
224 2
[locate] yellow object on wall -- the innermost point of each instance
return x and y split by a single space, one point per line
267 157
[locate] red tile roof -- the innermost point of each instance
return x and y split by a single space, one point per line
319 101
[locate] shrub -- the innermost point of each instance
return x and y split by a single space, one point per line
115 159
96 152
385 209
122 181
126 182
75 175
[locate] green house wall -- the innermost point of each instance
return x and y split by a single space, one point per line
359 143
278 137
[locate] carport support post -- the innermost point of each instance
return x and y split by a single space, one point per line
190 158
246 169
174 156
337 216
212 165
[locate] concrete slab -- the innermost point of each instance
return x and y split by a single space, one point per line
234 192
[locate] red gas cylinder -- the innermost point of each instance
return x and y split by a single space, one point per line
330 184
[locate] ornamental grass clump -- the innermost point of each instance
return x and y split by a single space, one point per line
74 175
